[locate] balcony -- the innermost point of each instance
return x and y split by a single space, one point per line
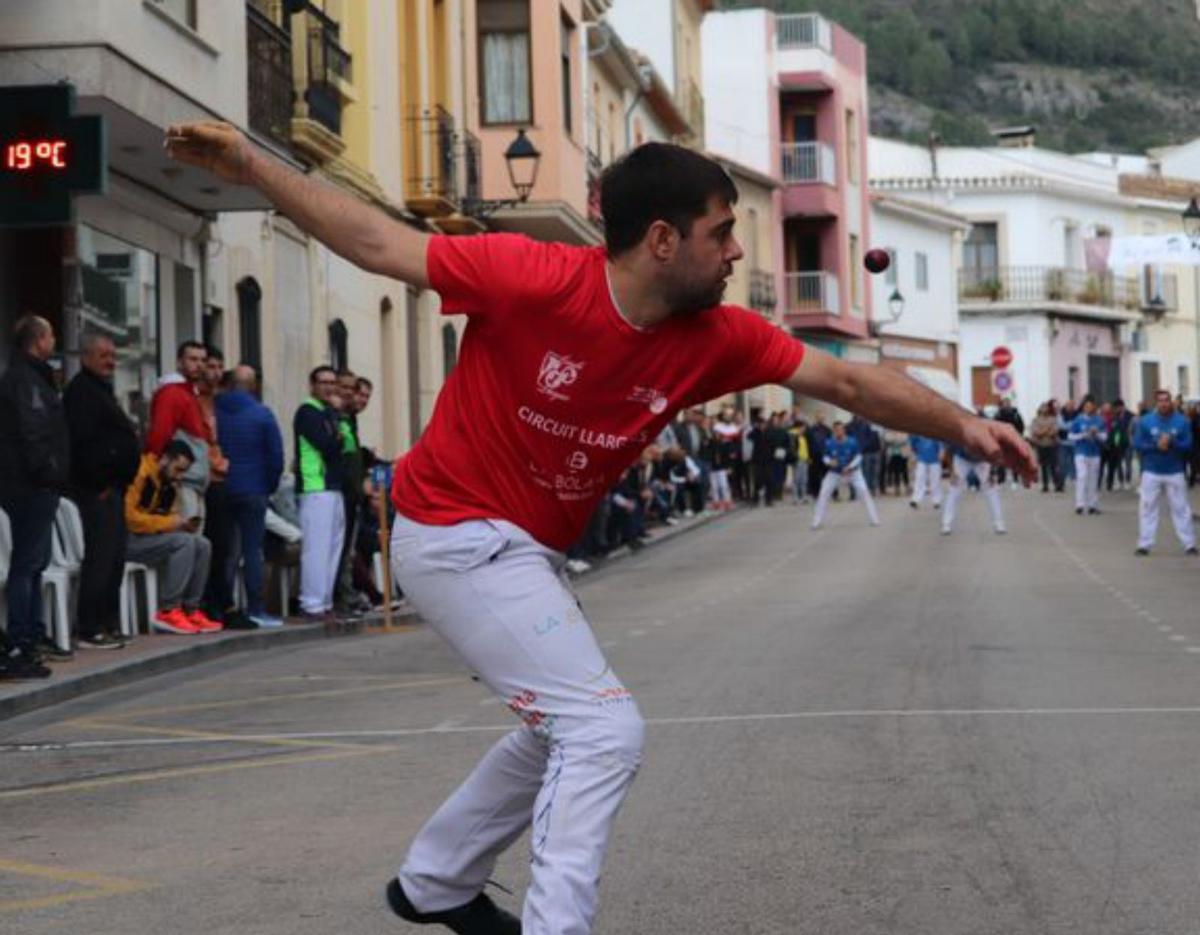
468 185
762 292
808 163
269 66
328 66
803 31
1025 285
433 187
812 293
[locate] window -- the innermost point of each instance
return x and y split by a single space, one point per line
1073 383
891 277
1104 377
249 298
855 262
752 238
922 271
339 357
1182 385
504 66
1150 380
182 10
980 255
449 350
851 148
568 41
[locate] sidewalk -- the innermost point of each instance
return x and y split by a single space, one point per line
153 654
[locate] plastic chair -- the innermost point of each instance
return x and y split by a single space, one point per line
129 596
66 559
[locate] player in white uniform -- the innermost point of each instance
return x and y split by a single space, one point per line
963 465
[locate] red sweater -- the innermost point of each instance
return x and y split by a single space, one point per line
175 407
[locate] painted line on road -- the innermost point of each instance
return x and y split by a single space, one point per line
400 733
97 886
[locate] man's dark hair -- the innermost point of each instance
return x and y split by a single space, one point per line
212 352
189 346
658 182
178 448
345 373
28 329
363 381
1089 398
317 371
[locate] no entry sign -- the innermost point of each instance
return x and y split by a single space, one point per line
1001 358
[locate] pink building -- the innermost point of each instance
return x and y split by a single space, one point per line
787 95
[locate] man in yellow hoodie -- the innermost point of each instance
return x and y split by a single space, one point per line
161 537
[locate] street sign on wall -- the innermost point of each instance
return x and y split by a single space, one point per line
1001 358
47 155
1002 382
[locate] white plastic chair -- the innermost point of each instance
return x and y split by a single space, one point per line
129 596
66 559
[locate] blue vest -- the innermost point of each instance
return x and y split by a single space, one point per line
1151 427
927 450
843 452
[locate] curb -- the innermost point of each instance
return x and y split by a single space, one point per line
57 691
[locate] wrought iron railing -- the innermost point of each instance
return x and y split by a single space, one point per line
803 31
762 291
1050 284
328 63
808 162
269 78
809 292
435 168
471 184
595 170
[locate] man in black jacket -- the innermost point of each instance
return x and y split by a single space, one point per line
104 461
34 468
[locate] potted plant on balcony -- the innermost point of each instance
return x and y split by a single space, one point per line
989 289
1091 293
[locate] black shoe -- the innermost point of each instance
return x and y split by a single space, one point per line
236 620
18 664
1092 511
100 641
1140 551
52 652
1191 551
1079 510
480 916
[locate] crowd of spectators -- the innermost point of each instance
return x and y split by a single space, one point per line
200 498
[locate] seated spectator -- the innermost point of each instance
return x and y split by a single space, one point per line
686 477
628 519
162 537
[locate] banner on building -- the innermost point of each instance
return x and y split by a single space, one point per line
1126 252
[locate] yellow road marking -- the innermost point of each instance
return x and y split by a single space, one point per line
99 887
179 772
286 696
212 735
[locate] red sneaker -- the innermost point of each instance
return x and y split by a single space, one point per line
173 620
203 623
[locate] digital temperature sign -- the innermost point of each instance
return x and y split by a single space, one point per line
47 155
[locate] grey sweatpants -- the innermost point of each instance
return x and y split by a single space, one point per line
183 558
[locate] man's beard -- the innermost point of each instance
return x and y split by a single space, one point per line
687 299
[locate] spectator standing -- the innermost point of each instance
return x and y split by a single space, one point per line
1116 452
818 437
895 467
250 439
871 447
1043 432
927 478
1164 441
104 462
779 454
1009 414
726 459
163 535
218 525
799 434
34 470
320 482
1087 434
1066 447
346 598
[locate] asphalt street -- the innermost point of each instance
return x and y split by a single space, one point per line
852 731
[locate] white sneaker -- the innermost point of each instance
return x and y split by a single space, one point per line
266 622
577 566
945 531
1000 531
689 513
671 521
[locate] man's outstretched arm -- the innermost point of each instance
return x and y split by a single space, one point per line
361 233
889 398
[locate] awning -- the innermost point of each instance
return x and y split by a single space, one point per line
937 380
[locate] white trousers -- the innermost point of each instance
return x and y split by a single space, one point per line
323 527
829 483
719 482
927 480
1087 482
498 598
1151 490
958 484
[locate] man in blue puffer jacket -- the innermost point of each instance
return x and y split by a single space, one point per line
249 437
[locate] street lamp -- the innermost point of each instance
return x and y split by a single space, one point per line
522 159
896 305
1191 222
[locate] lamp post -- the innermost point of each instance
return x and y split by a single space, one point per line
895 305
1191 222
522 159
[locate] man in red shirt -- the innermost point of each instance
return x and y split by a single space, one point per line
572 362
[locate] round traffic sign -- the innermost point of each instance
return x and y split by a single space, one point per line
1001 357
1002 382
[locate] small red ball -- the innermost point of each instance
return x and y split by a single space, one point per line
876 261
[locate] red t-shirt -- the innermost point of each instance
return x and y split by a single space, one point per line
554 393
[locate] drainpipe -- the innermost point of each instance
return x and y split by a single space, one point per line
644 81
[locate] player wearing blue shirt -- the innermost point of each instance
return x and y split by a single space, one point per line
928 477
1087 433
1164 440
843 461
964 464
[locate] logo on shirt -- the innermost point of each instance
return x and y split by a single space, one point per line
655 401
578 461
557 371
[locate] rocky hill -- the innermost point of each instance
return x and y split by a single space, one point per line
1089 74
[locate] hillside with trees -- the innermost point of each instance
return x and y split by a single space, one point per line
1089 74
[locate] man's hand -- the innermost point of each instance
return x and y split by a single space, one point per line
1000 444
1164 442
218 147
